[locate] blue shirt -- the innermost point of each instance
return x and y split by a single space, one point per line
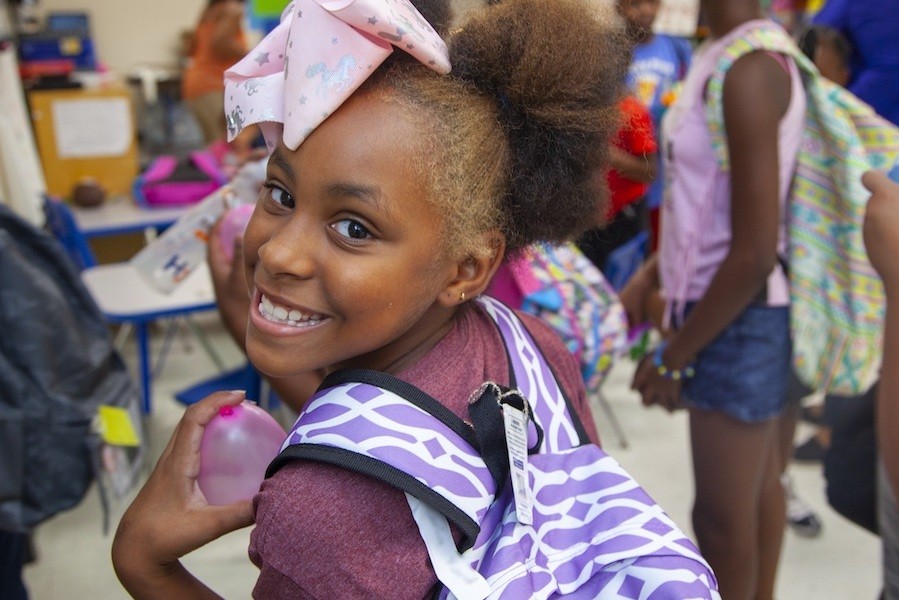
656 66
871 27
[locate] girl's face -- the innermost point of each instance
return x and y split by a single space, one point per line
342 254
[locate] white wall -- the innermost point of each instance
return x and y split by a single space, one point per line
131 33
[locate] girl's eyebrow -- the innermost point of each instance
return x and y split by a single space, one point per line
279 160
369 194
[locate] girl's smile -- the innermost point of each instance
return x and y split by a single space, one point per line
280 315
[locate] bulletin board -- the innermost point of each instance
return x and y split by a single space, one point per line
86 133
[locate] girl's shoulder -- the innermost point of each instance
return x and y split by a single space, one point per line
473 352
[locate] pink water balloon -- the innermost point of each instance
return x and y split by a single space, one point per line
237 447
234 223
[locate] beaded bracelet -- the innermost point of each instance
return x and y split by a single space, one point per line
669 373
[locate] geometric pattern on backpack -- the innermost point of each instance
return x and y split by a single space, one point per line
837 299
595 532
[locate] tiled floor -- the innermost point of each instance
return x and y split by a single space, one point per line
73 552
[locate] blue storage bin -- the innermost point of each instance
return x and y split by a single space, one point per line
59 45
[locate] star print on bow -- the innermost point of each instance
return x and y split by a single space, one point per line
317 56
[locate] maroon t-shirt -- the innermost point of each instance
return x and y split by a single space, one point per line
324 532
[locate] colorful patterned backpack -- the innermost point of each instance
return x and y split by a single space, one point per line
543 513
837 299
563 288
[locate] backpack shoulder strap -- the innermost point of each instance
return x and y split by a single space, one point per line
534 378
766 36
375 424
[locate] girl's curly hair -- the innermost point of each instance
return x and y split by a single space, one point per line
515 133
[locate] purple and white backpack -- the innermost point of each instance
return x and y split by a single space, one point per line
543 513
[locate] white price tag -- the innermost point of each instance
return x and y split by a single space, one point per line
516 423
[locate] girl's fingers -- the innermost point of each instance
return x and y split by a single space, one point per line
230 517
640 376
876 181
185 443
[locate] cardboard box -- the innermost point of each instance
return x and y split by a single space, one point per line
86 133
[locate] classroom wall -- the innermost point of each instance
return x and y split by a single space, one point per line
133 33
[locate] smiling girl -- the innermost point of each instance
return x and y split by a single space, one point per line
376 227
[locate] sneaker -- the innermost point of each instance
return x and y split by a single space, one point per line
800 517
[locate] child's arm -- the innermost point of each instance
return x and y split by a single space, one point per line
882 241
170 517
634 155
636 167
636 292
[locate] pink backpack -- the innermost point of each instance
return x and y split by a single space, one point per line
170 181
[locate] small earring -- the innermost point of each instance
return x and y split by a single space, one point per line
461 296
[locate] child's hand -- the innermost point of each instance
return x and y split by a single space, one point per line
655 389
881 228
229 284
170 517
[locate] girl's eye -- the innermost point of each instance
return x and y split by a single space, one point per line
352 229
280 195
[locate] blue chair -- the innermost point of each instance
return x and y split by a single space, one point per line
241 378
125 297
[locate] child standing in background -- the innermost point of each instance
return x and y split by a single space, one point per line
217 42
659 62
727 358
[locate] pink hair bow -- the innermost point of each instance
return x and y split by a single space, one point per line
318 55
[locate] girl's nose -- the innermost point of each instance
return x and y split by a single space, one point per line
289 250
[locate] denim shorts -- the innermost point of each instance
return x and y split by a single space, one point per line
745 371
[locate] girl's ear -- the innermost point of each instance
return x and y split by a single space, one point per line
474 272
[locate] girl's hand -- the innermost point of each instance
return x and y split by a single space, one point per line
654 388
881 228
170 517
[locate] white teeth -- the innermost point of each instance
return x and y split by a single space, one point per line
284 316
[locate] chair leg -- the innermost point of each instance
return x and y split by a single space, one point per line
143 350
613 420
121 336
207 346
170 333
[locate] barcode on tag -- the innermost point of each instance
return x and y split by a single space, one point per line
516 424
